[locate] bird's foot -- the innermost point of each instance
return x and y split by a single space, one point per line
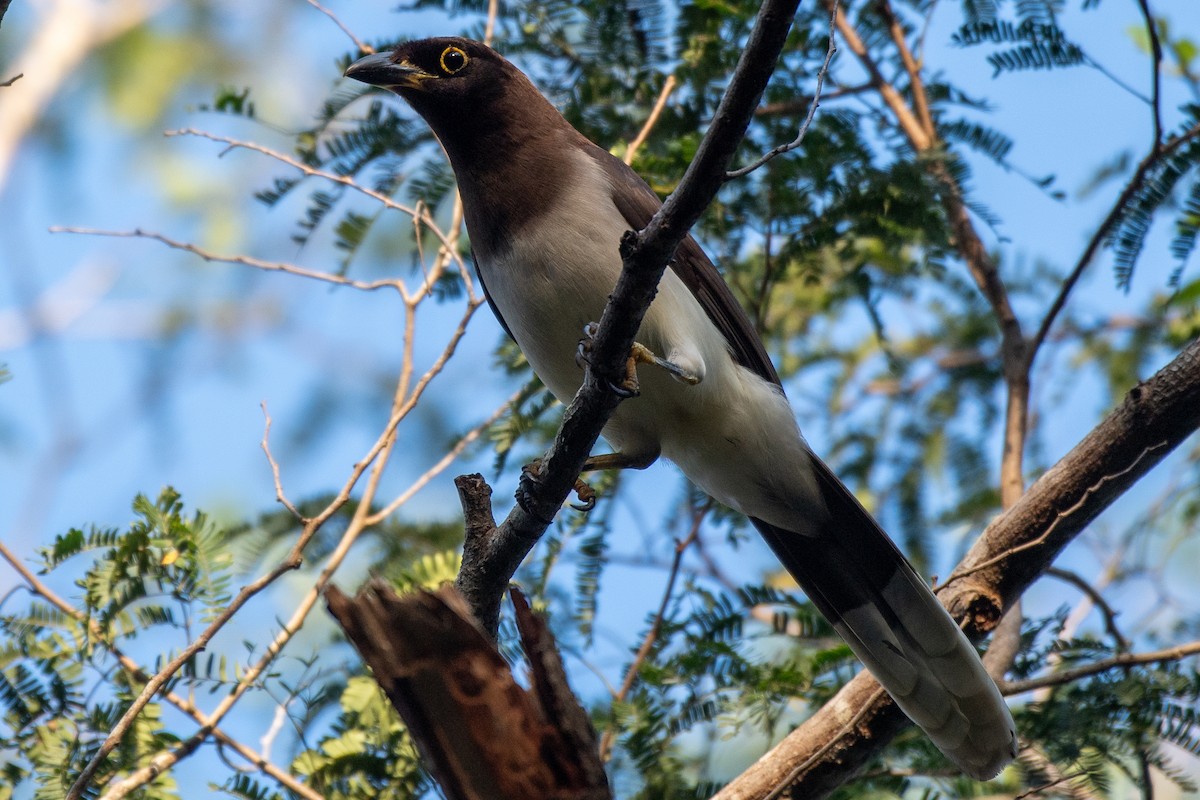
628 387
532 473
638 354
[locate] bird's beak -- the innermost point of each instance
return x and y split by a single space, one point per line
378 69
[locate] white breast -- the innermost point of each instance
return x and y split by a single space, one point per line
733 434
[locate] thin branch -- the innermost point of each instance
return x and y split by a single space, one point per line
489 28
344 180
911 66
266 448
13 79
362 46
652 120
1145 166
1081 504
802 104
643 652
1095 668
1097 599
248 261
445 461
1156 58
812 107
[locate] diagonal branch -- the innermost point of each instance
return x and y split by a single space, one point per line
651 121
497 553
1158 151
814 103
1156 416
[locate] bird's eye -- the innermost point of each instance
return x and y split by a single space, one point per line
453 59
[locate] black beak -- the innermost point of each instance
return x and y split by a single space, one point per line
378 69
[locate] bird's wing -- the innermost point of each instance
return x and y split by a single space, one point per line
488 296
637 203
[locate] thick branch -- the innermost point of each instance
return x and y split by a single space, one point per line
488 569
455 692
1156 416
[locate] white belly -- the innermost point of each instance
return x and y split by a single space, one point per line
733 434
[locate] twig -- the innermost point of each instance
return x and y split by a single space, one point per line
248 261
362 46
345 180
1120 660
1097 599
444 462
812 108
493 13
803 103
651 121
643 652
13 79
1156 57
266 447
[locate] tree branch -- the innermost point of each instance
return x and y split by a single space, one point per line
651 121
485 574
1156 416
808 117
1104 665
1158 151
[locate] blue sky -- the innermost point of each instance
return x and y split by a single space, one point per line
98 159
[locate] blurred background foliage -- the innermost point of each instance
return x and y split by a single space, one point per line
131 366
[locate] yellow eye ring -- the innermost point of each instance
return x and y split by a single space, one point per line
453 59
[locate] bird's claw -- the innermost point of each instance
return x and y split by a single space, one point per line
628 387
584 351
531 473
586 495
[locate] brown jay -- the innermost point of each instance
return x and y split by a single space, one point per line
545 210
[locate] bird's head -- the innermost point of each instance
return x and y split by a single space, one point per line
461 87
447 66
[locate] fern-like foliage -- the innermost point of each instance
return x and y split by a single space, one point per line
160 574
1167 176
1039 44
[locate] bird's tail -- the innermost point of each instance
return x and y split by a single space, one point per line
857 578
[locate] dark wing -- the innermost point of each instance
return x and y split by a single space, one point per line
487 296
637 202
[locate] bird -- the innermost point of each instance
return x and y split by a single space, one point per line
545 210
